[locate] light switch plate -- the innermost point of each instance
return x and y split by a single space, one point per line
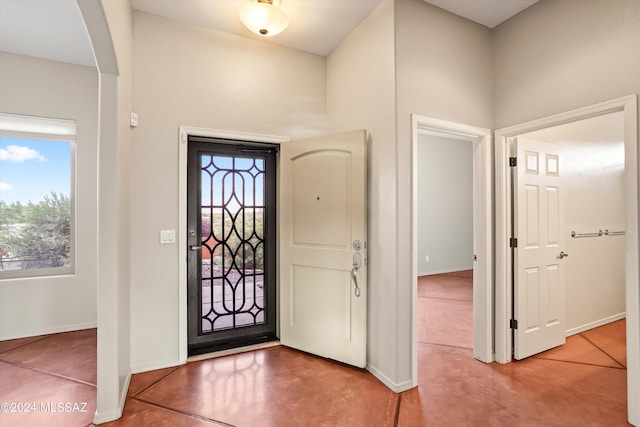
167 237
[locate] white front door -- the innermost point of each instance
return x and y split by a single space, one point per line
323 212
539 291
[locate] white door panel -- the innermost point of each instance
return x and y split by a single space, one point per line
539 272
322 212
321 220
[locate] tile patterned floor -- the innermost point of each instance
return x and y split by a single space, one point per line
43 372
580 384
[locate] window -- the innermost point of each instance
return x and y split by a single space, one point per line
36 196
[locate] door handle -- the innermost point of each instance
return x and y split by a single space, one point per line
562 255
357 262
354 276
195 247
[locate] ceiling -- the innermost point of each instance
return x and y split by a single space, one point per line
27 28
486 12
316 26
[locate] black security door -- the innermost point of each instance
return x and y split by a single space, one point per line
231 244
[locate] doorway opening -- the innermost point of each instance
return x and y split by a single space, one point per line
231 234
445 239
504 270
480 140
183 239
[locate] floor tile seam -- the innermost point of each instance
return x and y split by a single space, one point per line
182 412
396 418
24 345
156 382
603 350
580 363
445 345
448 299
51 374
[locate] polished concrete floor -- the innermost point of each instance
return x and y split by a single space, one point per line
580 384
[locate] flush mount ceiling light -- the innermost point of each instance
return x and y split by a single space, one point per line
264 17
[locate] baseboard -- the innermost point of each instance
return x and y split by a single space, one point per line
447 270
116 413
393 386
158 364
596 324
52 330
106 416
123 391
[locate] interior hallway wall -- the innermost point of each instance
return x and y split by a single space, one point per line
445 204
193 76
587 53
115 262
44 305
595 199
443 70
361 95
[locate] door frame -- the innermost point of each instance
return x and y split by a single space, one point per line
184 133
503 343
482 221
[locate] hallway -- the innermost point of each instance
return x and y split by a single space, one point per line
580 384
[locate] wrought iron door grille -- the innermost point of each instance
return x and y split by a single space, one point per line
232 203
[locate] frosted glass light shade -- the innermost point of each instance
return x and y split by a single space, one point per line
264 17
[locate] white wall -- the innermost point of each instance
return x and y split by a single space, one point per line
445 204
194 76
361 95
115 210
444 70
45 88
564 54
593 182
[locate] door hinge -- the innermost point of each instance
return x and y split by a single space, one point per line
513 162
513 242
513 324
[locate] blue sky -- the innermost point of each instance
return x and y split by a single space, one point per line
31 169
246 170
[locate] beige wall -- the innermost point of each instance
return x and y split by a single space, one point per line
444 70
45 88
560 55
444 67
445 204
115 208
361 95
594 188
193 76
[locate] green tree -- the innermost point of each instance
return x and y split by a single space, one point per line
37 230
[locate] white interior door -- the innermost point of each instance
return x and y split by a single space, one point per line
539 291
323 278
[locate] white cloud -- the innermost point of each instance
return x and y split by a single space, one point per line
17 154
5 187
